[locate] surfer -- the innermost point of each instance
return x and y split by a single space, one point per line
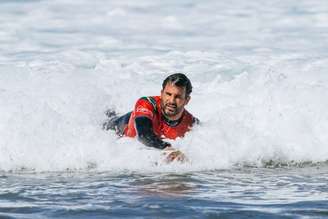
157 117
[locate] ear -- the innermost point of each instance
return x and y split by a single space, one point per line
162 92
187 100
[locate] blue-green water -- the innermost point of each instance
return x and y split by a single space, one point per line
290 192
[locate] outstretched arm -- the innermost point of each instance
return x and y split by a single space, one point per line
146 135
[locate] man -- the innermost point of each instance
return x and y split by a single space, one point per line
157 117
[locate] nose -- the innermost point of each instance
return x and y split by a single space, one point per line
172 99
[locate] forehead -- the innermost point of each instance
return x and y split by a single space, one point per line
169 87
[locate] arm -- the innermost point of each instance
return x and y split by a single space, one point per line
146 135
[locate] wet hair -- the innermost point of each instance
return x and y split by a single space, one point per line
179 80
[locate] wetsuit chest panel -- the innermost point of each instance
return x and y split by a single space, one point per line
173 132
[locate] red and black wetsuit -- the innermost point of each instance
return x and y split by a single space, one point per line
148 123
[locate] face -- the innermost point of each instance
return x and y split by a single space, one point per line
173 100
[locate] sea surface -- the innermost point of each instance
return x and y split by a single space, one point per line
259 71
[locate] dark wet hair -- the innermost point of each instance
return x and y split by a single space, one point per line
179 80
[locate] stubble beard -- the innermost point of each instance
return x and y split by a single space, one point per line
170 113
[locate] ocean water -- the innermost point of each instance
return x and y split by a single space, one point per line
259 73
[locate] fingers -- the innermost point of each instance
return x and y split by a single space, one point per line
171 156
176 156
181 157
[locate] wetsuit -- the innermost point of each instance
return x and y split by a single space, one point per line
147 122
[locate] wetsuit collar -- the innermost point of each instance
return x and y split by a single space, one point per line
173 123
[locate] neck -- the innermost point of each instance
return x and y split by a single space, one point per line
173 121
173 118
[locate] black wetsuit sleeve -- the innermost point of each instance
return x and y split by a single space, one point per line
195 121
146 135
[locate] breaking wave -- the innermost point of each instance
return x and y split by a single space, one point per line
51 113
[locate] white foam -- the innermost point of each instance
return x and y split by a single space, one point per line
260 91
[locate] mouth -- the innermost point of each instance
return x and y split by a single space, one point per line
171 107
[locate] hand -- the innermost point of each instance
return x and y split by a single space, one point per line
173 154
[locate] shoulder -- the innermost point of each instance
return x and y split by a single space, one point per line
150 102
146 106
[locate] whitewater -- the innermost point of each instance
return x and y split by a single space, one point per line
260 85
